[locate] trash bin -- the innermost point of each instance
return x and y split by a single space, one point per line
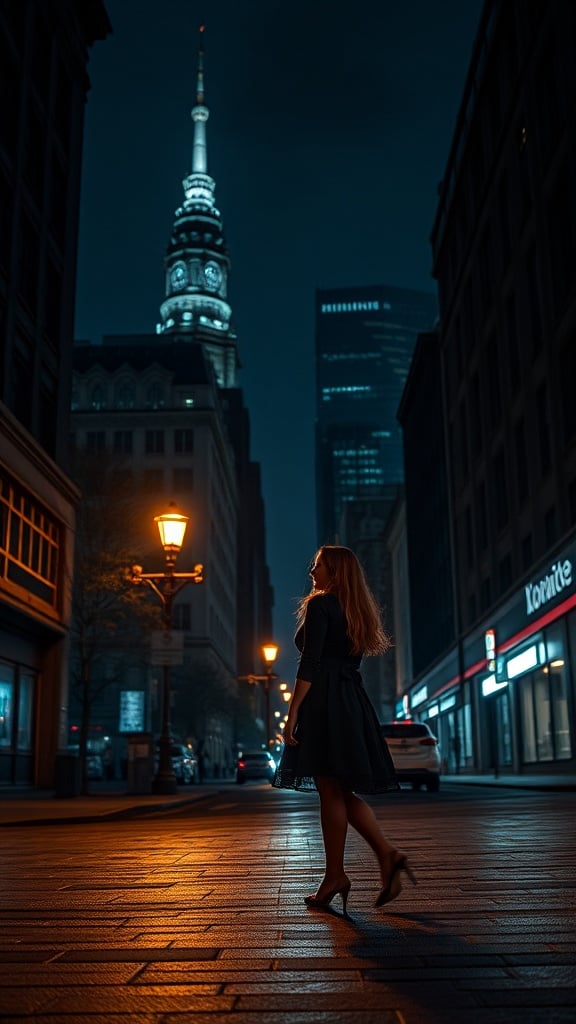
68 774
140 762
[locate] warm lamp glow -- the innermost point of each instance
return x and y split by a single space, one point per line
270 653
172 527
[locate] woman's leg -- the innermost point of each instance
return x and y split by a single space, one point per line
334 820
362 818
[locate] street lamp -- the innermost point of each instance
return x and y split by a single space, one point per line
166 585
269 654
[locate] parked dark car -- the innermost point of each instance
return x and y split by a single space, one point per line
255 764
414 751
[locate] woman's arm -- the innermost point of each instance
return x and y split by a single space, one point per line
300 690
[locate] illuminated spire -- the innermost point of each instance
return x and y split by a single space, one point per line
200 115
197 262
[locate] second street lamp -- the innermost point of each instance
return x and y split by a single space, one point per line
269 654
166 585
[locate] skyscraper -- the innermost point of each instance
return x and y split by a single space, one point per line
365 338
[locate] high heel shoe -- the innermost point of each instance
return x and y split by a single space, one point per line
394 885
324 902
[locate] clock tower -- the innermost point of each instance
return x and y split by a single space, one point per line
197 262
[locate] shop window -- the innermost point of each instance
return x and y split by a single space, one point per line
528 723
557 662
25 711
6 706
543 716
544 704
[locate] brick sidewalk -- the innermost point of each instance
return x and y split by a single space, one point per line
179 919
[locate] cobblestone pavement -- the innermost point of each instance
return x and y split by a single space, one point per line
198 914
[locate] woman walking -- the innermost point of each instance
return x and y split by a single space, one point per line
332 736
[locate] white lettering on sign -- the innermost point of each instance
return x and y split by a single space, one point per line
538 594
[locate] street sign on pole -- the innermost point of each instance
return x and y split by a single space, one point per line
167 648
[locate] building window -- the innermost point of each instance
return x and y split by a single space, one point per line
30 544
98 397
95 441
155 396
154 442
124 396
123 441
184 441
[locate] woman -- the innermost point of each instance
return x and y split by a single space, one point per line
332 736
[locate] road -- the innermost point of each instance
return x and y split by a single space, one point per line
197 915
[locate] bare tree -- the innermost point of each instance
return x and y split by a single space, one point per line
110 620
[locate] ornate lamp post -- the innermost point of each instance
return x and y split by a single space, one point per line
166 585
269 654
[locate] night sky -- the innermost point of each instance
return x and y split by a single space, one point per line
329 131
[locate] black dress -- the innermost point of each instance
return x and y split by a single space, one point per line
338 732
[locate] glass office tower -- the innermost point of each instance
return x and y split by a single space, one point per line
365 338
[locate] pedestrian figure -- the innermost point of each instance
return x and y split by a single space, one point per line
332 738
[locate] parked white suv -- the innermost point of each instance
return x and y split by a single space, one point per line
414 751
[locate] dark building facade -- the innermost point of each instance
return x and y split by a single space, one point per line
365 338
504 245
43 84
427 507
169 406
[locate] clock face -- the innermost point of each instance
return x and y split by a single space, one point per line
179 276
213 276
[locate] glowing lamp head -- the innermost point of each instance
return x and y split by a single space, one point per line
171 527
270 653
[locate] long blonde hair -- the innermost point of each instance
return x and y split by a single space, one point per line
348 584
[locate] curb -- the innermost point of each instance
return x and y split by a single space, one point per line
134 811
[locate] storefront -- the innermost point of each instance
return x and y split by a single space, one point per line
17 702
510 709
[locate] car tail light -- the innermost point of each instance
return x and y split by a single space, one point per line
241 764
428 741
